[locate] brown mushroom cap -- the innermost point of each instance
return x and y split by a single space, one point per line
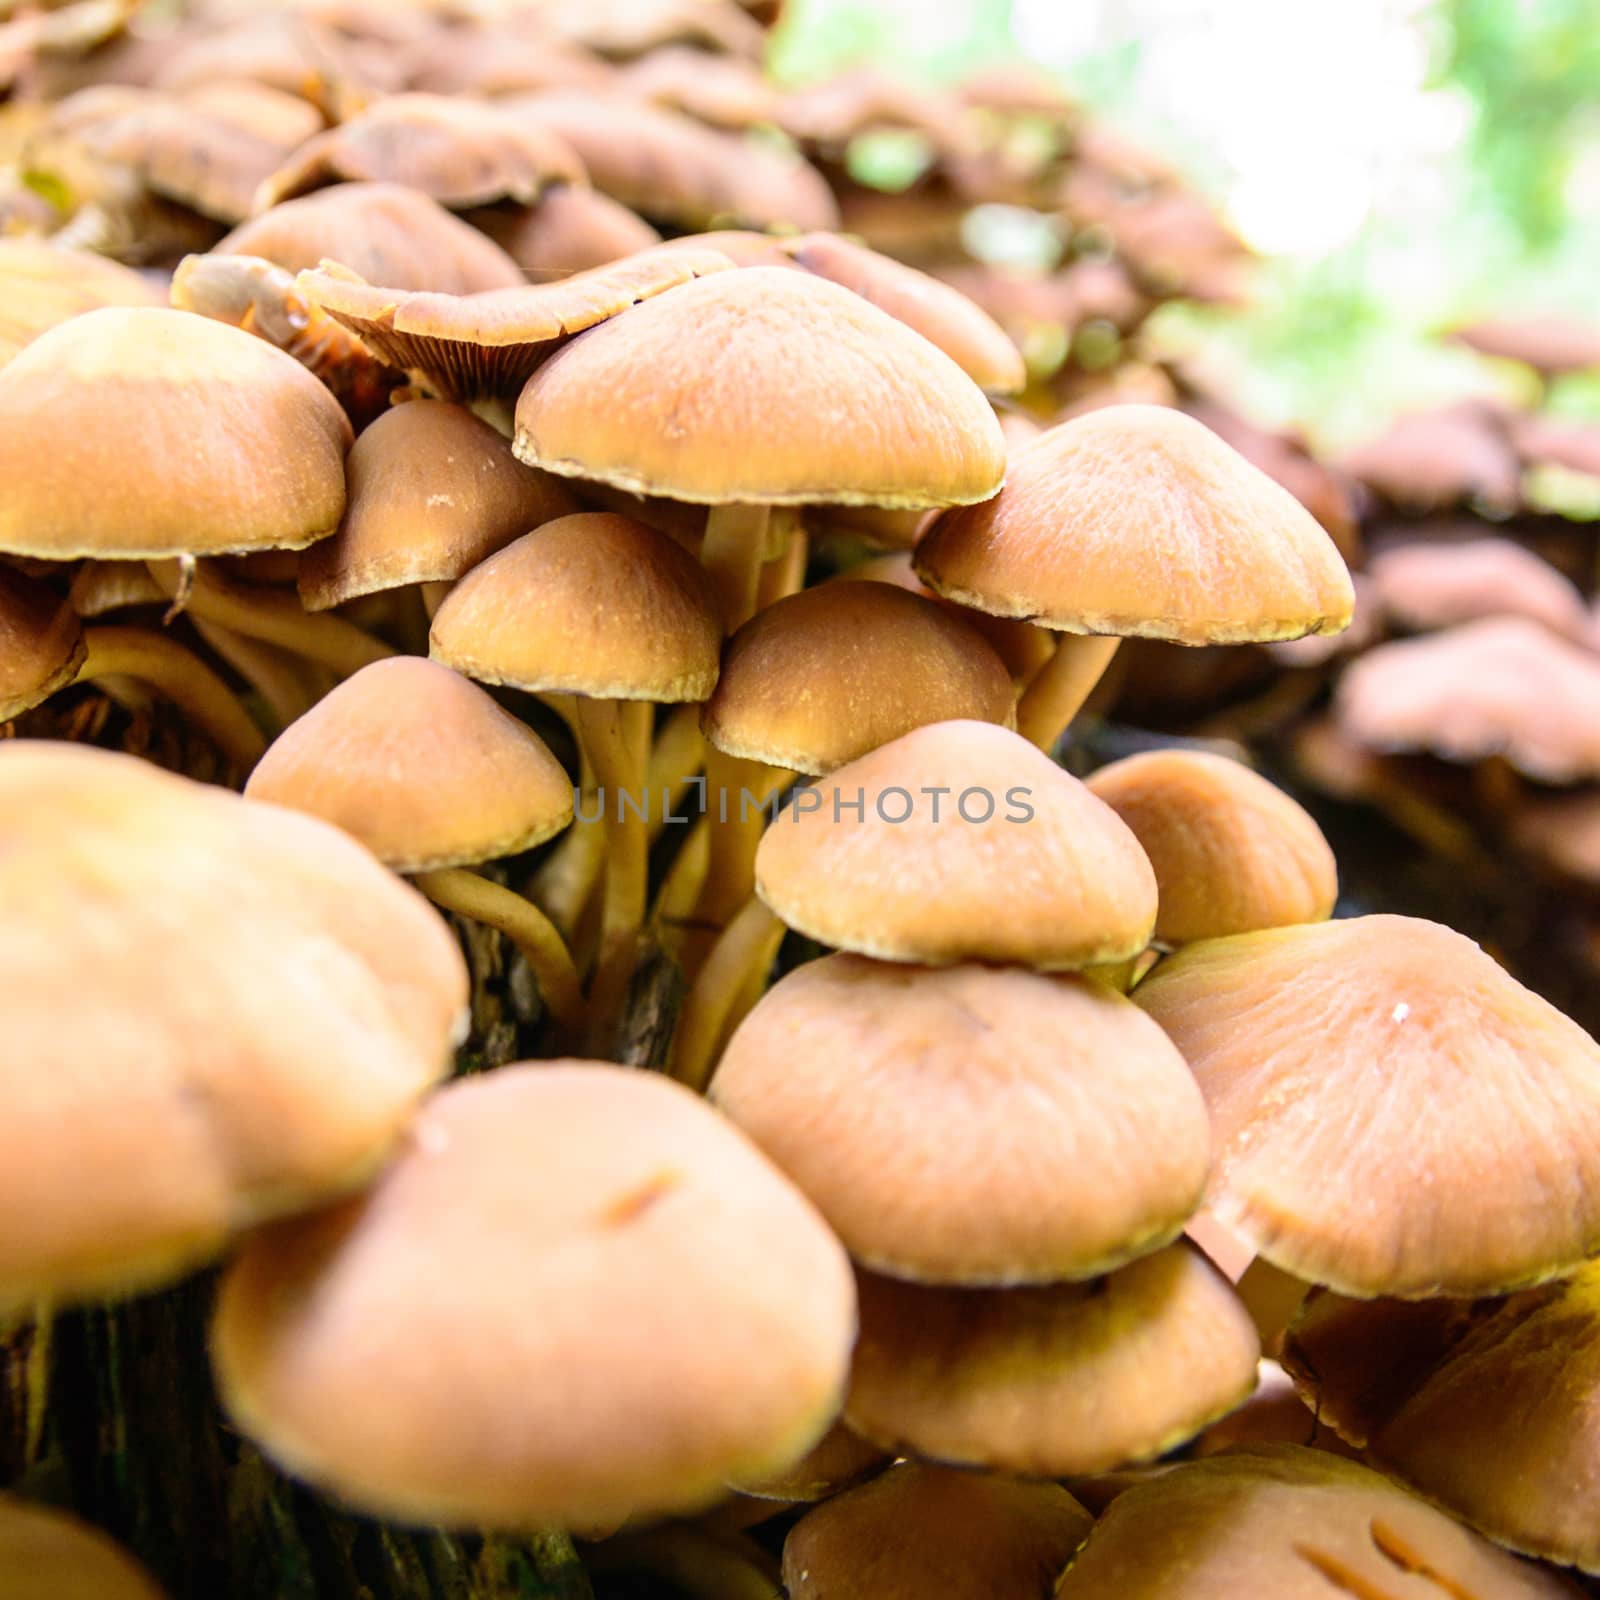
1139 520
1044 876
837 1460
628 1307
1502 687
385 232
571 229
46 1554
1290 1523
971 1125
431 490
1424 586
1059 1379
932 1533
268 1005
1393 1113
1449 456
143 432
41 643
1231 852
873 661
1549 342
421 766
593 604
767 387
42 284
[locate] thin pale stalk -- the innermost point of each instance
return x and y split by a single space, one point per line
1061 686
267 669
735 546
743 954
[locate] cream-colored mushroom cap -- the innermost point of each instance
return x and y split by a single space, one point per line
1393 1112
1138 520
268 1004
1231 852
763 386
41 643
970 1124
576 1297
421 766
431 491
145 432
1021 864
1069 1378
824 676
933 1533
46 1554
592 604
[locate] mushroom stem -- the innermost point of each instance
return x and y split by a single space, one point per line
1061 686
738 792
720 995
523 923
685 877
735 546
565 880
181 676
275 618
785 573
25 1361
264 667
678 754
691 1561
434 595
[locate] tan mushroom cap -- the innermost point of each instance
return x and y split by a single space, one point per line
593 604
630 1307
488 344
934 1533
421 766
624 29
431 490
824 676
1050 878
41 643
763 386
1138 520
723 92
1294 1524
1393 1113
457 151
1450 456
1502 687
1424 586
837 1460
1054 1380
46 1554
571 229
268 1004
1549 342
385 232
42 284
1492 1409
143 432
971 1125
1231 852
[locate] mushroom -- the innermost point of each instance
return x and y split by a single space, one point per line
633 1307
46 1554
433 777
41 643
42 284
1455 455
570 229
626 29
724 92
838 1460
1551 343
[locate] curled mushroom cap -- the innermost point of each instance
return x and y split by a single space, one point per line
763 386
47 1555
592 604
42 284
933 1533
874 661
1138 520
1292 1523
268 1005
577 1296
959 841
431 491
41 643
421 766
1549 342
1231 852
1393 1113
144 432
1068 1378
970 1124
1502 687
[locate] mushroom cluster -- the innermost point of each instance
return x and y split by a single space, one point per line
582 1010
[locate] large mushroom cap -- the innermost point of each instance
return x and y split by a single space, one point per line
971 1124
1138 520
592 604
763 386
42 284
41 643
577 1296
267 1006
969 845
421 766
1231 852
144 432
1292 1523
1394 1114
932 1533
47 1555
